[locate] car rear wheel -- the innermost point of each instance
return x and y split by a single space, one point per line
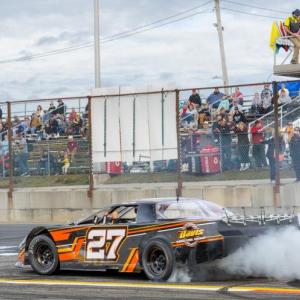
158 260
43 255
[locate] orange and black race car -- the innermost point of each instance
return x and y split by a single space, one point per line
151 235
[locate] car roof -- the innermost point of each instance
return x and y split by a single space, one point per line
156 200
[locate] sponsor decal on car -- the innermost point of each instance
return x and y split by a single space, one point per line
190 234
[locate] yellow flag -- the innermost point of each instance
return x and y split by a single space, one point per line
275 33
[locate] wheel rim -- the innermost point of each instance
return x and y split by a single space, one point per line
157 261
44 255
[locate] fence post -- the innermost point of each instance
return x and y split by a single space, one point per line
11 161
276 189
179 154
90 140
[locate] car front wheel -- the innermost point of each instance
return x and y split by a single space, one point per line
43 255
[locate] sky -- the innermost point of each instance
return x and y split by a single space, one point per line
184 53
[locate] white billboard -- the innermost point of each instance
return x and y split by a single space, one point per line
137 127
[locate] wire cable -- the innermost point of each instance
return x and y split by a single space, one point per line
141 29
252 14
256 7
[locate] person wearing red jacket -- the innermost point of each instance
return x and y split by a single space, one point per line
257 135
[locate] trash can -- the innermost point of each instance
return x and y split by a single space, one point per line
114 167
210 160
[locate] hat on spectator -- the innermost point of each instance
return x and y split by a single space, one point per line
70 137
296 12
205 122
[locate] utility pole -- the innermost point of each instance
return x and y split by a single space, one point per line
97 44
221 43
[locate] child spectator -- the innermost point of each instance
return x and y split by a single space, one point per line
66 163
72 147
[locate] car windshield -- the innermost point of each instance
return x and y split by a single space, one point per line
190 209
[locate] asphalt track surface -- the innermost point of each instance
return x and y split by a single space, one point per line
25 284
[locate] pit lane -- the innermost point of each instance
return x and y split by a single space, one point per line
25 284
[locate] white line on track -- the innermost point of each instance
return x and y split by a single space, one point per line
8 247
9 254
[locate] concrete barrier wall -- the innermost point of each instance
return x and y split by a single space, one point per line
60 205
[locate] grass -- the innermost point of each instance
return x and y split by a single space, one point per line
45 181
82 179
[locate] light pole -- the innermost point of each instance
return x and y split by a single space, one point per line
221 43
97 44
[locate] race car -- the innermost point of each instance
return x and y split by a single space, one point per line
151 235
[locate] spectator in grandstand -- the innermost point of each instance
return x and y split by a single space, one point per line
284 95
237 95
257 136
77 124
216 130
72 116
51 108
54 126
22 154
16 121
289 130
215 98
61 107
292 27
195 98
203 115
271 154
5 145
2 132
205 136
225 144
40 112
235 105
35 124
224 104
186 115
24 126
295 152
241 130
238 116
72 148
266 98
256 104
66 163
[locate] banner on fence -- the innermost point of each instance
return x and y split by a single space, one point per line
128 126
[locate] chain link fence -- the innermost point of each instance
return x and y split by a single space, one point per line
246 132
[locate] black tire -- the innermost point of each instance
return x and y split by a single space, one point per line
43 256
158 260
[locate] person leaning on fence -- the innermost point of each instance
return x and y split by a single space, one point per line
295 152
271 154
241 130
292 27
257 136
